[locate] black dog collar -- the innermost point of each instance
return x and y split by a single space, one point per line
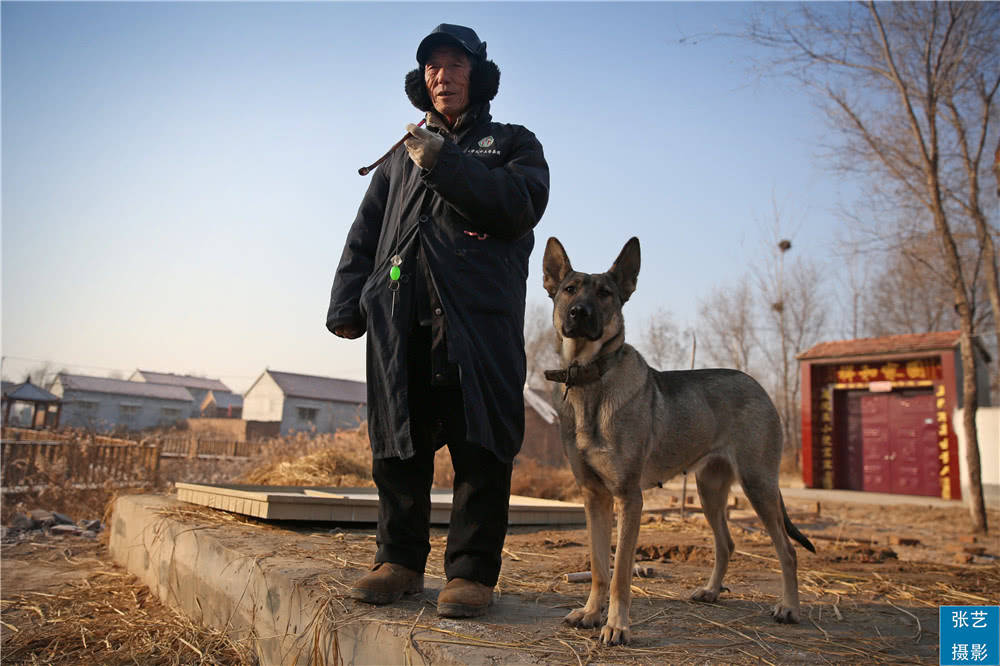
579 375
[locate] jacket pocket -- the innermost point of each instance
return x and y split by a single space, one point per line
485 278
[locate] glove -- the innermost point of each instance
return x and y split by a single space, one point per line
349 331
423 146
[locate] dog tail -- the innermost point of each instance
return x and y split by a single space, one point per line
793 531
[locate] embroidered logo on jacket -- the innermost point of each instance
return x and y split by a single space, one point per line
486 143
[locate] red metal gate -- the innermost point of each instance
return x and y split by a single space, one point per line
899 445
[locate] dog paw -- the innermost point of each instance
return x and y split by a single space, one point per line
705 594
785 615
582 618
614 635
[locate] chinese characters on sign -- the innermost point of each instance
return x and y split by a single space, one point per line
969 635
942 434
826 435
918 372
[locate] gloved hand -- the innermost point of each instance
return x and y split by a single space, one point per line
349 331
423 146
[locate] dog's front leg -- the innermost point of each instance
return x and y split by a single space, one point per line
616 631
597 503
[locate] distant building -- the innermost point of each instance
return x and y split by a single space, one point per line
197 386
222 405
101 403
306 402
542 441
30 406
878 413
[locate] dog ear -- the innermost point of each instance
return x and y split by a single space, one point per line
555 266
625 270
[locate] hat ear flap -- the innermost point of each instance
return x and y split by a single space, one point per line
484 82
416 91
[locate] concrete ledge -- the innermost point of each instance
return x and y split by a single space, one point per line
264 585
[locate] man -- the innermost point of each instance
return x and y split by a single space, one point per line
434 269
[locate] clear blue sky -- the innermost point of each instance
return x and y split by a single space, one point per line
179 178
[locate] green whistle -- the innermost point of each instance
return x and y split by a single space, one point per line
394 273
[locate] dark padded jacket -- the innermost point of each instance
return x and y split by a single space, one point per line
472 215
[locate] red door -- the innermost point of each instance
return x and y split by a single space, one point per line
913 445
848 453
877 467
899 443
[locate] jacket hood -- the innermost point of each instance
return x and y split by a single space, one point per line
484 82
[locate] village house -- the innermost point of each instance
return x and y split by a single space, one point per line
306 402
198 387
542 442
222 405
880 415
102 403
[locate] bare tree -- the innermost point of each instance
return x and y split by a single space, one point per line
727 326
793 319
855 278
911 293
660 342
45 374
910 89
540 344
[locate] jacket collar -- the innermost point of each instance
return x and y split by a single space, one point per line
474 115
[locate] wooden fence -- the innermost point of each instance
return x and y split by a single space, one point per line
38 457
32 462
187 446
30 435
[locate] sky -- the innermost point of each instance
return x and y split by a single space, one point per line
178 179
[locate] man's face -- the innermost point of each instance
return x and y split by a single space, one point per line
446 74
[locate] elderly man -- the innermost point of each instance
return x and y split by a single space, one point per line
434 269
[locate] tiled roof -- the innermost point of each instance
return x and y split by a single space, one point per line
890 344
124 387
187 381
320 388
225 399
27 392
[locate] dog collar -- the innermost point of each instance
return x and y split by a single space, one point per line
578 375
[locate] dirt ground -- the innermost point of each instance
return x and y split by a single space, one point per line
870 594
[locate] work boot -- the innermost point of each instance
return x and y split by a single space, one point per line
386 583
464 598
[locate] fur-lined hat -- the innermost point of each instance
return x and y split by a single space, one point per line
484 80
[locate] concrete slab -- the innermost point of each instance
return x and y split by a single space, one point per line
283 592
355 505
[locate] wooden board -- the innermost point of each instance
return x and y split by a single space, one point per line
354 505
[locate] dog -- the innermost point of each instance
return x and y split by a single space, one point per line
626 427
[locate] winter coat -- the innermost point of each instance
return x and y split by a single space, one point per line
472 215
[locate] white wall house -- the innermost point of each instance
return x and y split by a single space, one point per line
988 435
198 387
101 403
306 402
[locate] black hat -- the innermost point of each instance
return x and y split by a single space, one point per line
455 35
484 80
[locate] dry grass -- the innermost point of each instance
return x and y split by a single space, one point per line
112 618
107 618
344 459
341 459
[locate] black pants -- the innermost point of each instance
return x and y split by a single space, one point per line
481 491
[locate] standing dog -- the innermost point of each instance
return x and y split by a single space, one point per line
626 427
